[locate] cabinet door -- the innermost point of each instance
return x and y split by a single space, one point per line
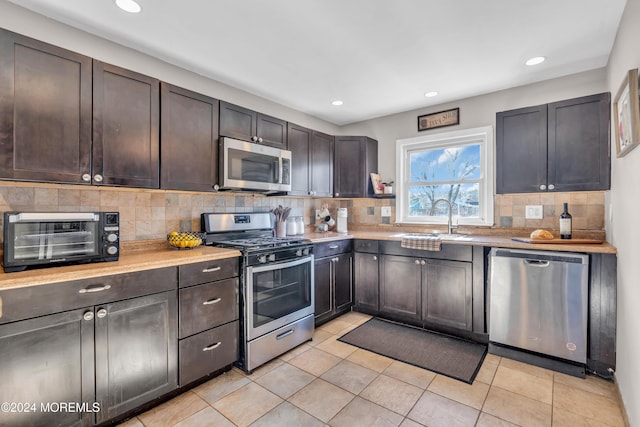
46 360
189 143
366 279
271 131
136 352
126 125
343 282
45 111
299 144
446 293
321 164
349 167
521 150
578 144
323 293
400 286
237 122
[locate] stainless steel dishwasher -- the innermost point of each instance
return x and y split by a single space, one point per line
538 302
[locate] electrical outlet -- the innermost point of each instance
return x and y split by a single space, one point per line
533 212
318 214
385 211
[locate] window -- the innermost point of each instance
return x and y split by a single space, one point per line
455 166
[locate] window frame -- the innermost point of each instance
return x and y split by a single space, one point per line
480 135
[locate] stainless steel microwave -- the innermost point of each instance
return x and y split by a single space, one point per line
42 239
249 166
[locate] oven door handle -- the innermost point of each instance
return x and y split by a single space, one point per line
280 265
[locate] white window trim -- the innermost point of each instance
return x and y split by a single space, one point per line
481 135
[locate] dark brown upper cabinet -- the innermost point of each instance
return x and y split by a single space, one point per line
312 162
189 143
355 158
45 111
248 125
126 124
562 146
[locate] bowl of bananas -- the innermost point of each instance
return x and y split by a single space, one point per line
188 240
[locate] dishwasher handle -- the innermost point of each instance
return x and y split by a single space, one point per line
536 263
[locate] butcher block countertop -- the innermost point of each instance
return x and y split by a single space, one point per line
136 256
468 239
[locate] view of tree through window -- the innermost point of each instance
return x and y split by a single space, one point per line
445 173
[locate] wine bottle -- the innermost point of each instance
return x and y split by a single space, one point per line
565 223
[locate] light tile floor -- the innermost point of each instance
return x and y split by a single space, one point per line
329 383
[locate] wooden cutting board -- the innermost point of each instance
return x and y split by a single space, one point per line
558 241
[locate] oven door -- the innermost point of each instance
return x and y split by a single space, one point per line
277 294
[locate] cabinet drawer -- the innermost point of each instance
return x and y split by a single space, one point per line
321 250
23 303
207 306
207 352
362 245
203 272
451 252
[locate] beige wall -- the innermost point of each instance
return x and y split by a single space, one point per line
623 225
474 112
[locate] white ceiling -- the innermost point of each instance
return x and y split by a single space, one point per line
378 56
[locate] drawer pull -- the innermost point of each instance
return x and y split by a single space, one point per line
212 301
212 269
285 334
212 346
334 246
94 289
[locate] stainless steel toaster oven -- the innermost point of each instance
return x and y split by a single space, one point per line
42 239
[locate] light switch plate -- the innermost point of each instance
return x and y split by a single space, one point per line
385 211
533 212
317 213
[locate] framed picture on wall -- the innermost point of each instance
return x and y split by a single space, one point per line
626 114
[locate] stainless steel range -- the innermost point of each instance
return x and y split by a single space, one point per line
277 288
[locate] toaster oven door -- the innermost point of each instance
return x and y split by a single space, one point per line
31 239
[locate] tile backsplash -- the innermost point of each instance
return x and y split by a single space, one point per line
151 214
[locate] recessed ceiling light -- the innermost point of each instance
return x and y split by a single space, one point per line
337 102
128 6
431 94
535 60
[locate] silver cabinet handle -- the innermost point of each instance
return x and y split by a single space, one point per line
254 138
88 315
375 258
259 139
211 270
552 187
212 301
337 194
423 262
102 313
334 247
543 187
212 346
417 262
97 177
285 334
86 177
94 289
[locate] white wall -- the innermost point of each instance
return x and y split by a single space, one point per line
23 21
624 227
474 112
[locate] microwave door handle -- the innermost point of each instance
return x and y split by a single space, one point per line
278 169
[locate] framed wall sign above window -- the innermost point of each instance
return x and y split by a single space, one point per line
439 119
626 114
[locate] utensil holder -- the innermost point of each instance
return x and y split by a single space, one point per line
281 229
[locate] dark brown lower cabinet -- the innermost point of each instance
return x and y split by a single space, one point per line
333 281
400 286
136 352
447 293
46 360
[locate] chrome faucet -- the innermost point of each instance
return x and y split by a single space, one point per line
450 226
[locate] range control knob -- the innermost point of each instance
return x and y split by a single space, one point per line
262 259
272 257
299 252
112 237
112 250
305 251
